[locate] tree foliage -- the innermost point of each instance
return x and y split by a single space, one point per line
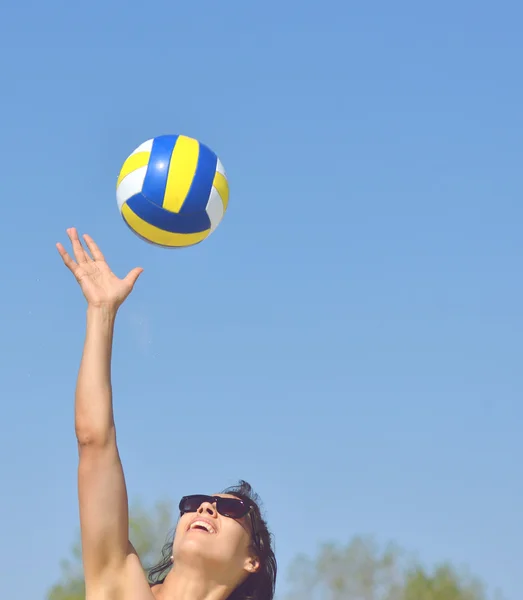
445 583
361 570
358 571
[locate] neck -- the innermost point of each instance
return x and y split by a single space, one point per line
183 583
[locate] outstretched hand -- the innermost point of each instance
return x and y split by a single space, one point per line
99 284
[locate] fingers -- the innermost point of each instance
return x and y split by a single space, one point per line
78 250
68 261
132 277
93 248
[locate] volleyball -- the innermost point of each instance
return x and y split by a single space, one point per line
172 191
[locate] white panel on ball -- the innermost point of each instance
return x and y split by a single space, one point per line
145 147
214 208
130 185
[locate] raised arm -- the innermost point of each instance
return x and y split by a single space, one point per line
102 493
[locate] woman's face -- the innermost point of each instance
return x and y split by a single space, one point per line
221 545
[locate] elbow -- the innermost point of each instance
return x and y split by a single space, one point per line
91 437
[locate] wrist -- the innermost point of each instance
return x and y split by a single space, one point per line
105 313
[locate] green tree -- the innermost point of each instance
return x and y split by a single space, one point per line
361 570
445 583
148 531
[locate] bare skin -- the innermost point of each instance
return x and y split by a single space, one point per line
112 568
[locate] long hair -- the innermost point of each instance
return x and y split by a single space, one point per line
258 586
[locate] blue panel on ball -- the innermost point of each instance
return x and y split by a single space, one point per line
166 220
200 189
158 168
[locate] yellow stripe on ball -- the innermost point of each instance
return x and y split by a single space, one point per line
184 160
159 236
220 183
135 161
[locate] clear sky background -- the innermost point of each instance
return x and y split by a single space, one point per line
349 340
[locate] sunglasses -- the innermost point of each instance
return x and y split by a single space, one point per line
233 508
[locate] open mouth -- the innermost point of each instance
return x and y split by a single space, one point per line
202 526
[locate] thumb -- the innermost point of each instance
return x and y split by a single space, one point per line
132 277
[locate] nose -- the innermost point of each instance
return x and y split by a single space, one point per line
206 508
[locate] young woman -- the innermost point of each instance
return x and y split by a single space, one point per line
221 547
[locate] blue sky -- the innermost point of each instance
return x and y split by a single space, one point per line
348 340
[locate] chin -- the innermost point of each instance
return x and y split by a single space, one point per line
198 552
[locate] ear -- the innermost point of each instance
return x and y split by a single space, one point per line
252 564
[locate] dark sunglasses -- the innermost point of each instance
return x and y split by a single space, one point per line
227 507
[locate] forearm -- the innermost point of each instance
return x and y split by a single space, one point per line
94 422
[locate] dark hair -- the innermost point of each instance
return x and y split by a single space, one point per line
258 586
